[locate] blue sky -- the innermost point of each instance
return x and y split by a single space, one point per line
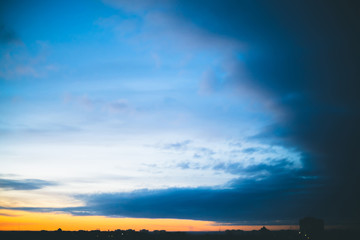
110 107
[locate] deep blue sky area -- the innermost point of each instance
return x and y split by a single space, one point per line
234 111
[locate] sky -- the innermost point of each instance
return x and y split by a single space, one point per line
178 115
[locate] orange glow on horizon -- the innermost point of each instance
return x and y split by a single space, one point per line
22 220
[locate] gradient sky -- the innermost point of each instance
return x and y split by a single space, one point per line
207 113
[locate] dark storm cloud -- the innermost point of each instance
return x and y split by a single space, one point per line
304 57
25 184
279 196
283 198
251 202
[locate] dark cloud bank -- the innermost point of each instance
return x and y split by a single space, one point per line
275 199
304 56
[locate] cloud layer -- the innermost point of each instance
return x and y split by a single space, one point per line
25 184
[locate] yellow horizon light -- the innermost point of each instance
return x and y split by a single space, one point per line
32 221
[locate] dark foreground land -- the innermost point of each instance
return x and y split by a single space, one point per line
162 235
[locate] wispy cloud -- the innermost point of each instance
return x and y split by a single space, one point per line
90 103
177 145
17 62
24 184
8 215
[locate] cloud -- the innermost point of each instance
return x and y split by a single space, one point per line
90 103
19 61
300 62
25 184
251 150
177 145
267 194
8 36
120 105
285 196
282 196
315 89
243 204
138 6
184 165
8 215
158 19
210 83
270 168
